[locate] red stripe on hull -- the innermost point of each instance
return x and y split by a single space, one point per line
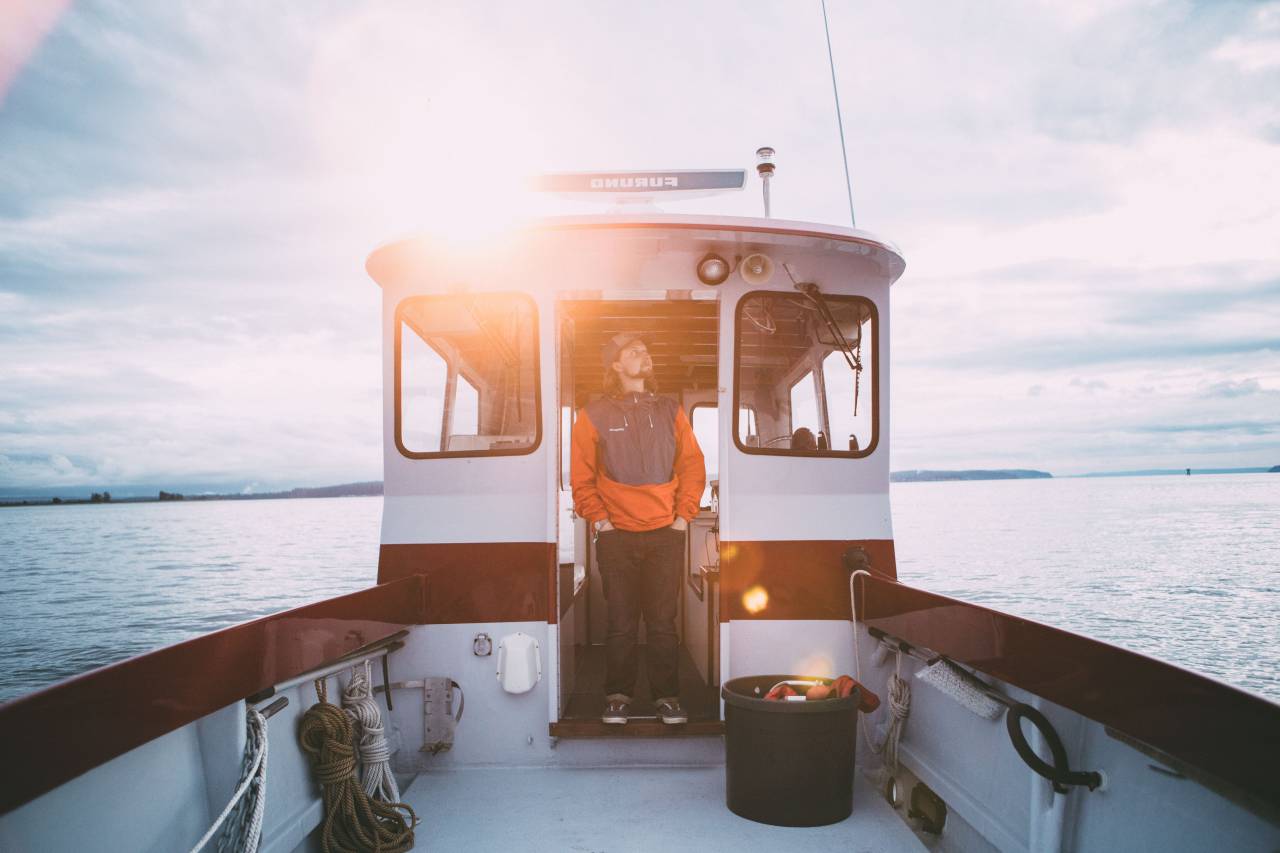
802 579
479 581
56 734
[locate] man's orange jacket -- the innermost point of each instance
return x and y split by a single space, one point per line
634 461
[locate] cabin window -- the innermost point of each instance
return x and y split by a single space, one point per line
804 404
705 420
466 375
797 388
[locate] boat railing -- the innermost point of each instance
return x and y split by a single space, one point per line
57 734
1222 736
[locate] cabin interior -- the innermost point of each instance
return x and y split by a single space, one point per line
682 336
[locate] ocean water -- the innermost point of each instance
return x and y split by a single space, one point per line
1186 569
87 585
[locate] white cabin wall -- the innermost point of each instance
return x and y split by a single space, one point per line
806 647
827 498
500 728
470 499
781 498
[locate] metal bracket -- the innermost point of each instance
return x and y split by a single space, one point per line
438 717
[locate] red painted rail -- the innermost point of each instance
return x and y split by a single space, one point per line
56 734
1228 734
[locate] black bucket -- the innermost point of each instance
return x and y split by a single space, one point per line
788 763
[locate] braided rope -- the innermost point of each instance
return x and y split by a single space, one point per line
899 692
353 823
899 707
371 740
241 820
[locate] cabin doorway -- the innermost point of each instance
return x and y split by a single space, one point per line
682 336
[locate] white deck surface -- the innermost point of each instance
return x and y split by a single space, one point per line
616 810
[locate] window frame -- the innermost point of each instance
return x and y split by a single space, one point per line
453 369
875 380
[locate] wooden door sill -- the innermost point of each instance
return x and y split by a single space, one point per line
642 727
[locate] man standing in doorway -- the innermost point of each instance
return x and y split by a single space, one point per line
637 476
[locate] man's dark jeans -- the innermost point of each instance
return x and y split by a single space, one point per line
642 575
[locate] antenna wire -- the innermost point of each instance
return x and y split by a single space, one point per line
848 184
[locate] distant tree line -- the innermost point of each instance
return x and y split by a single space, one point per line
369 488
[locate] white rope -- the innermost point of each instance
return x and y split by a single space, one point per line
371 741
242 833
899 692
899 707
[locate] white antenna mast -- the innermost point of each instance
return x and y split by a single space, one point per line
848 184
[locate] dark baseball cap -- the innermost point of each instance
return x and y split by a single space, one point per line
617 344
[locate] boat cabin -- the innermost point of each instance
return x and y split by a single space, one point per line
773 337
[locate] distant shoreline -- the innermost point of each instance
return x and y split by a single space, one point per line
940 476
345 490
373 488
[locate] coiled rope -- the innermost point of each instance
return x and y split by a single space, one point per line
371 741
899 707
241 820
899 692
353 823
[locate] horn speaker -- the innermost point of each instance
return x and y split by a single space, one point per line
756 269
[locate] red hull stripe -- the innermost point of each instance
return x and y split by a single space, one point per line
803 579
479 581
1226 733
56 734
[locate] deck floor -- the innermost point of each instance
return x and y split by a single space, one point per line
617 810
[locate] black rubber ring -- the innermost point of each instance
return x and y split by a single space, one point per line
1060 772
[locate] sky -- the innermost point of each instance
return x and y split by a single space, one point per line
1087 195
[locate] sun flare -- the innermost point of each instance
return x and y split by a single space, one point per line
755 599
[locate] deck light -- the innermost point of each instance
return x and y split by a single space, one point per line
713 270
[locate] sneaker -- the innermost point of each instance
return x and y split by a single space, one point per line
670 712
616 709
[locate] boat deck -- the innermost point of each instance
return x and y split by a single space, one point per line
613 810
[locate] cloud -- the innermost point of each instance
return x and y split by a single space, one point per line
1230 388
1088 196
1258 50
1245 427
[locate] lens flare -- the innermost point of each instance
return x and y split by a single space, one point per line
815 666
755 599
